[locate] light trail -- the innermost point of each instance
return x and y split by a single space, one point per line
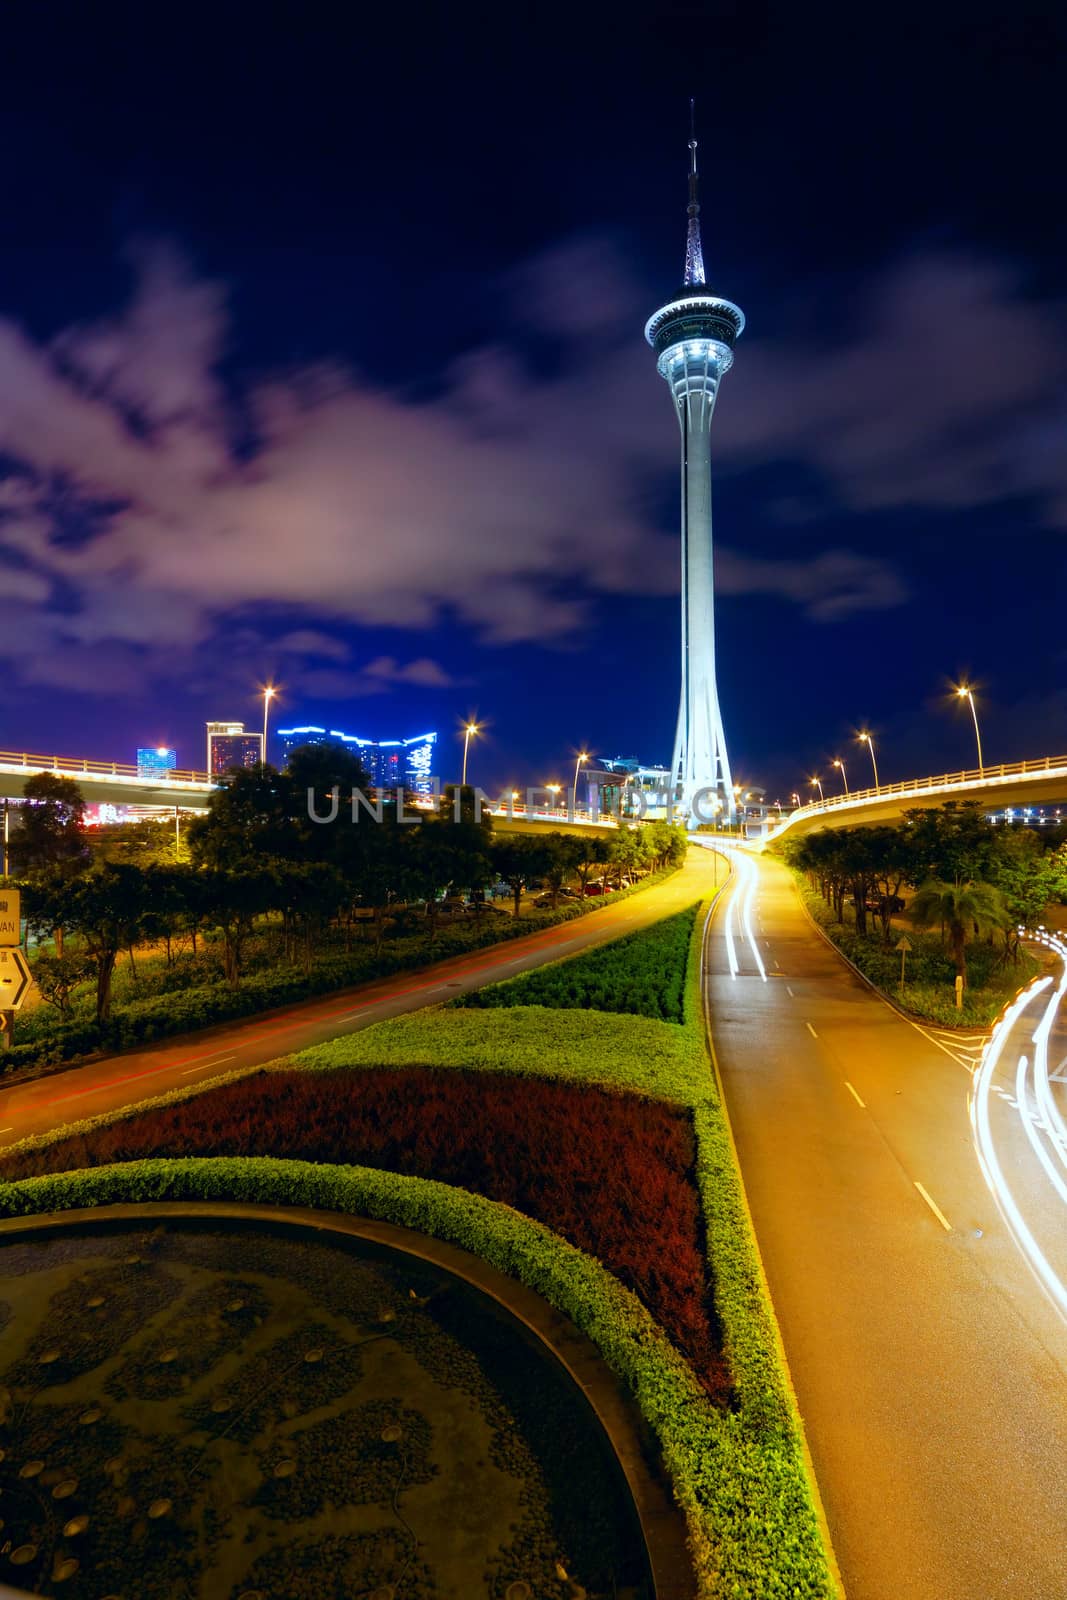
987 1154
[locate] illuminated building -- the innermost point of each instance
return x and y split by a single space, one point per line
156 762
693 337
388 763
228 745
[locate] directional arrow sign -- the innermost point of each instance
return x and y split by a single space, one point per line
15 979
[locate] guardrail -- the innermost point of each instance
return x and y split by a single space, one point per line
20 761
975 778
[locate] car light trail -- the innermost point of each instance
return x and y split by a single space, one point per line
987 1155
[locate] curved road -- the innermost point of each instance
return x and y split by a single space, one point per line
930 1367
36 1105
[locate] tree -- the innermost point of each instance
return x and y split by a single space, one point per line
141 844
50 836
232 900
58 976
108 908
954 843
249 819
1027 876
520 859
562 852
958 907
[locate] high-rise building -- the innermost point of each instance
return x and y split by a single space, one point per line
228 745
693 337
388 763
156 761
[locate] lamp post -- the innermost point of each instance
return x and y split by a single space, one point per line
866 739
817 785
844 774
796 799
469 732
268 695
964 692
577 768
554 790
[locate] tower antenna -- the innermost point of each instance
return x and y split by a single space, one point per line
694 254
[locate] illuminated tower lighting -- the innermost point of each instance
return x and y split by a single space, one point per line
693 337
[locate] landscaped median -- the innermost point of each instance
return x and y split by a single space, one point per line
622 1090
173 1010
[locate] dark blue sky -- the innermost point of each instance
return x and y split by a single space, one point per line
321 359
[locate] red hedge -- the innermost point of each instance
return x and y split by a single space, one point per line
612 1173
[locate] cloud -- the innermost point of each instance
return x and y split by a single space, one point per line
510 499
946 395
830 586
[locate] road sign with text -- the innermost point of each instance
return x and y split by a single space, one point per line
10 912
15 979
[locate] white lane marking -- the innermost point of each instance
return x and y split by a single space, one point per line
854 1095
8 1130
205 1064
789 992
811 1030
934 1207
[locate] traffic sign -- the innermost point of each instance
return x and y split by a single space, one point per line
15 979
10 913
904 944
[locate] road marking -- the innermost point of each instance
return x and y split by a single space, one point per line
811 1030
8 1130
938 1213
854 1095
205 1064
789 992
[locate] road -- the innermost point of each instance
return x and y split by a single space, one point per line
37 1105
930 1366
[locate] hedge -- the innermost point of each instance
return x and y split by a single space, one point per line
642 975
749 1531
184 1010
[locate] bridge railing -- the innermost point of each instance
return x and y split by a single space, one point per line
71 766
974 778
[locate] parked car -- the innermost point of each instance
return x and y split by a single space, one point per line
594 889
877 902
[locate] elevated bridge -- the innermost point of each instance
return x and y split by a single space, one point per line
1016 783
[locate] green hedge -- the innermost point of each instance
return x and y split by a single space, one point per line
163 1015
642 975
749 1531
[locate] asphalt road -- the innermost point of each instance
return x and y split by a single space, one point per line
37 1105
930 1367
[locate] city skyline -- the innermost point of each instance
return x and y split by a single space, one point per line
205 416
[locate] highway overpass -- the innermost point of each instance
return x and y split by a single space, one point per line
1018 783
115 783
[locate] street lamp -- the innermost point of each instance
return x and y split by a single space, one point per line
268 695
577 767
796 799
964 692
470 731
844 774
817 785
865 738
554 790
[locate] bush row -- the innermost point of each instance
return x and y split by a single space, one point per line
162 1016
642 974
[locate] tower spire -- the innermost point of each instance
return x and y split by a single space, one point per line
694 255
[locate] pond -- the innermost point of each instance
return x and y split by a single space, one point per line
239 1413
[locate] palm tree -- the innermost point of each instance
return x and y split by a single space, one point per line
957 907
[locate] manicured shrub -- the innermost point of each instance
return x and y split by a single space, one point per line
612 1173
642 974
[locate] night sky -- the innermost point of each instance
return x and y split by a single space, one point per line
321 361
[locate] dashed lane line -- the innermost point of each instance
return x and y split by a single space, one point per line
934 1207
811 1030
854 1095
